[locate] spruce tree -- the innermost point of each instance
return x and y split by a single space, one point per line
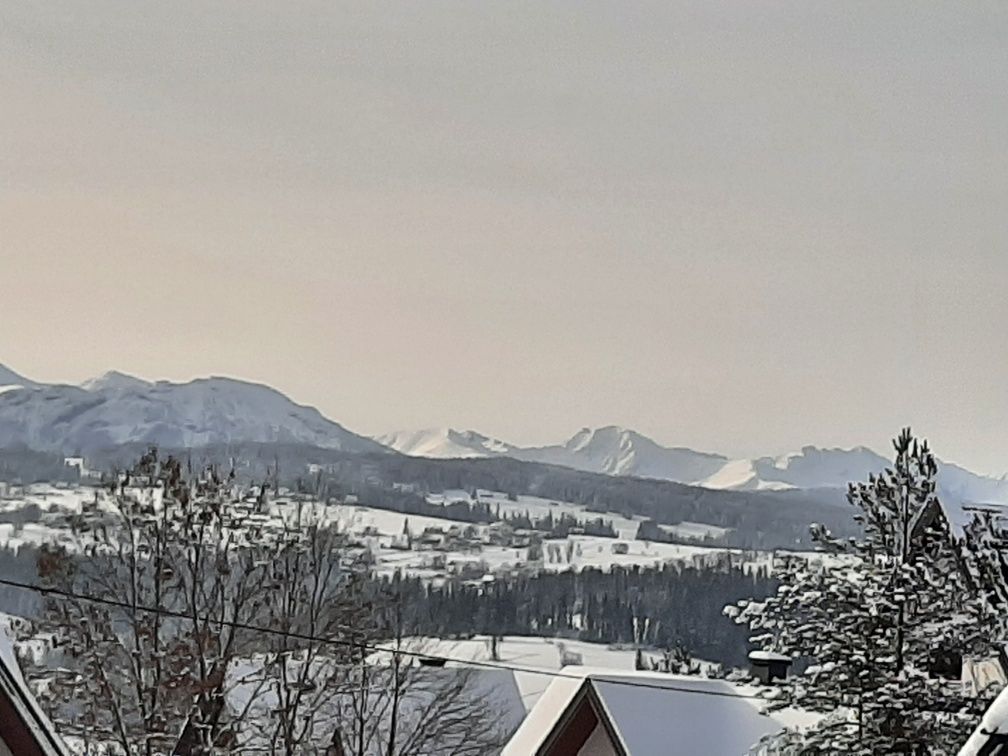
875 620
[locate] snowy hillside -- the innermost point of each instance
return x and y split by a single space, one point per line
116 409
610 450
116 381
119 409
445 443
10 380
619 451
811 467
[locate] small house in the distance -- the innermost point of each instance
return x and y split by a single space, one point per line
24 729
604 712
768 666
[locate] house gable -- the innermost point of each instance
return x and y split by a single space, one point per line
583 728
611 713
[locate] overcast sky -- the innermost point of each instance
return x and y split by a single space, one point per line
741 227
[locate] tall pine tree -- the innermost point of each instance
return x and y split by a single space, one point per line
881 623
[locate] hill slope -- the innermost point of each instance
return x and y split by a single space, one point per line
9 379
445 443
118 409
618 451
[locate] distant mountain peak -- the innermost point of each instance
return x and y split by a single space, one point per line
606 434
445 443
579 440
115 381
116 409
9 378
619 451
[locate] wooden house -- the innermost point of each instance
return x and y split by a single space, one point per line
604 712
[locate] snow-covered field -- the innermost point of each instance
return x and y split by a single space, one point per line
574 552
48 497
382 531
695 530
536 507
533 660
524 655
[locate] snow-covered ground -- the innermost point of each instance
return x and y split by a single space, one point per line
382 531
531 659
526 662
36 514
48 497
695 530
537 508
574 552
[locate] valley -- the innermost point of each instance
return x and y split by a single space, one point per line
608 551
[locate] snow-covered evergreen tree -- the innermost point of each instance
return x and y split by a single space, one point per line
985 554
877 621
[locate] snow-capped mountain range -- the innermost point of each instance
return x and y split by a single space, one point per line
619 451
446 443
116 409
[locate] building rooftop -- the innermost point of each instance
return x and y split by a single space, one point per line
643 713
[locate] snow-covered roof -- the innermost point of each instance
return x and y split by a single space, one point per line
981 675
466 686
994 722
769 656
23 720
652 713
959 513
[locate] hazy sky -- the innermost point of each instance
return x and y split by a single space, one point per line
741 227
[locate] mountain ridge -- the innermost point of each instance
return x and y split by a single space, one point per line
10 379
116 409
618 451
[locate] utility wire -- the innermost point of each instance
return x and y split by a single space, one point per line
71 595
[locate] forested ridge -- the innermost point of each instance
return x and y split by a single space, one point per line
661 607
756 519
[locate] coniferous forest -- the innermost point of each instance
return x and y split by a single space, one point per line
659 607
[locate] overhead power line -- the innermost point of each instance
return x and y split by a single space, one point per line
74 596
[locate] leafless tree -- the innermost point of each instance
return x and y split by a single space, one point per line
188 570
148 669
320 608
400 706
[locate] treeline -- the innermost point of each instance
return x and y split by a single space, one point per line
656 607
23 465
18 562
408 502
564 525
755 519
478 512
660 608
649 530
